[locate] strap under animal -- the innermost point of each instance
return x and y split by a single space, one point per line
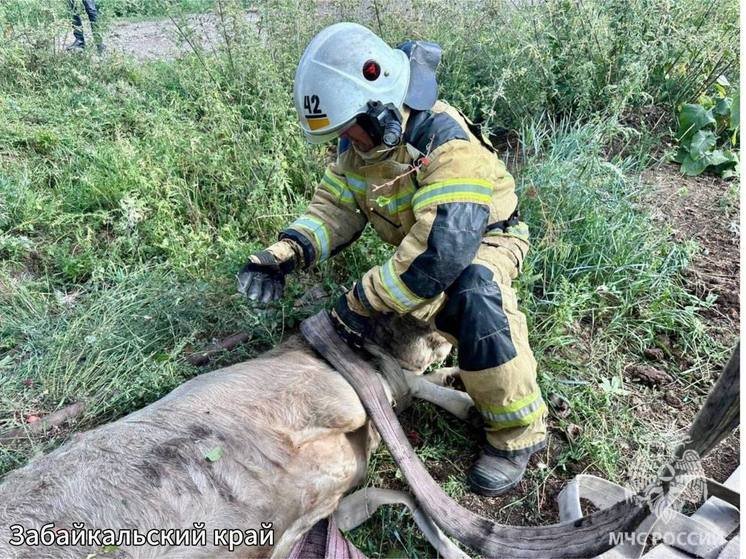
585 537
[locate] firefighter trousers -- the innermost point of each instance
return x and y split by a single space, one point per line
480 315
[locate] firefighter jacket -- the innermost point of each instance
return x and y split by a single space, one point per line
435 198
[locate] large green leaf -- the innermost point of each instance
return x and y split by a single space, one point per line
720 157
692 119
702 142
718 160
734 171
723 107
693 167
735 113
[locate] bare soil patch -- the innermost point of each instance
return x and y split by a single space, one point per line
165 38
169 38
704 209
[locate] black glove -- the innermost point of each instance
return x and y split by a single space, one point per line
263 278
354 328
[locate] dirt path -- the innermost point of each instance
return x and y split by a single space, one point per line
166 38
163 39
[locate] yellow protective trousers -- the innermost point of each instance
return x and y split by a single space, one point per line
481 316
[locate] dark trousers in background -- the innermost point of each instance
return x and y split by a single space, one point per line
90 10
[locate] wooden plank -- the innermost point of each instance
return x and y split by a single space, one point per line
719 415
686 533
665 552
719 518
718 515
730 496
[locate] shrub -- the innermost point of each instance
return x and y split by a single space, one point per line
708 132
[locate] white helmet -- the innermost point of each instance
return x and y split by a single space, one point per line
343 68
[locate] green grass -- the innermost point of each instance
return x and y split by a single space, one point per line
151 8
131 193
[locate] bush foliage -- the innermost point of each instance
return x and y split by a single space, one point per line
708 132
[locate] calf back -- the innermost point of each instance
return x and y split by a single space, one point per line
286 434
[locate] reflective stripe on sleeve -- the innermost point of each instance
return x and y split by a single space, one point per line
318 230
454 190
403 298
396 204
337 187
356 183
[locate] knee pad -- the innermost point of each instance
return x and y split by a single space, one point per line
474 315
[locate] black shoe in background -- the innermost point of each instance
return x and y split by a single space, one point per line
77 44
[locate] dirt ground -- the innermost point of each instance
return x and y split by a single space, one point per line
706 210
166 39
162 39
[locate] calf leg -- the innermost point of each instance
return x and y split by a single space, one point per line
443 376
454 401
405 384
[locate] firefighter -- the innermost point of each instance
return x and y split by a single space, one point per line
432 186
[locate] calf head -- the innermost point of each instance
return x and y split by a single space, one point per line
414 344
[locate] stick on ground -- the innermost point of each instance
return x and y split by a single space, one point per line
54 419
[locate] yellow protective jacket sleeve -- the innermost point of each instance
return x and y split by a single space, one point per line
452 207
332 221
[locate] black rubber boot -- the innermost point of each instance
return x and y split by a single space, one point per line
493 475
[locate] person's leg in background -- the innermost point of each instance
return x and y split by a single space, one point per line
79 41
90 9
497 365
